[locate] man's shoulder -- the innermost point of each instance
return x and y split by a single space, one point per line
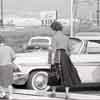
8 47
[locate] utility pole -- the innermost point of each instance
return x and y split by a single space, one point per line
98 11
71 19
1 20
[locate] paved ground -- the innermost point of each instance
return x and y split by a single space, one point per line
72 97
22 94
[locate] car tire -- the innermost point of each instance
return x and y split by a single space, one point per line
38 80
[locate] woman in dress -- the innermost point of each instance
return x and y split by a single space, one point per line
61 47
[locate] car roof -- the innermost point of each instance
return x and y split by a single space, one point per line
40 37
88 35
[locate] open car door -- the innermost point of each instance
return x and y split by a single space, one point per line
78 46
87 62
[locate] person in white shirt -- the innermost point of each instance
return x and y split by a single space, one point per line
7 55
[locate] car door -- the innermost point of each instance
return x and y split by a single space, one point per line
88 64
78 46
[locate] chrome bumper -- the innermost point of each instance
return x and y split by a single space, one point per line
19 78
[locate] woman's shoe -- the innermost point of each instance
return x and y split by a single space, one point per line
66 97
53 95
67 92
6 97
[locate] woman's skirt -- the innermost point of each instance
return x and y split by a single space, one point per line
67 72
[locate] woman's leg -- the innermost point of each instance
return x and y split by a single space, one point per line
67 92
53 94
54 89
2 92
10 91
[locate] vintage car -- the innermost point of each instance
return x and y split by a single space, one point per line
35 62
88 63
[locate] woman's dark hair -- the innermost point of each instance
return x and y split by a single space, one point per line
56 26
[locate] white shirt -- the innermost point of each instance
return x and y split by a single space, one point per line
6 54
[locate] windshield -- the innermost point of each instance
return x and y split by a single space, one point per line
93 47
35 47
39 42
76 45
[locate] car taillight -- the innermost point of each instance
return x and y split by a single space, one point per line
17 70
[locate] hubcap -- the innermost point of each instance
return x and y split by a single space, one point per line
40 81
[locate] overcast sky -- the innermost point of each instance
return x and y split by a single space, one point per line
34 6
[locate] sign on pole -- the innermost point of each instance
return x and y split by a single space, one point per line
47 17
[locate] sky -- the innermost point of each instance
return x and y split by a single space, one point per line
33 7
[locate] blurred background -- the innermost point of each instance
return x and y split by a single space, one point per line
22 19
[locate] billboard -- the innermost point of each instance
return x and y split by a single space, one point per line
47 17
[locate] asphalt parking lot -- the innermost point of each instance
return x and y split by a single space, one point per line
82 93
22 94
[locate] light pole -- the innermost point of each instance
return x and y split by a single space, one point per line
98 11
71 19
1 20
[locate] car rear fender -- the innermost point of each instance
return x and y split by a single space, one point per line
28 69
45 70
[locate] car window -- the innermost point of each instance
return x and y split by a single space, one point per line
93 47
39 41
35 47
77 46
